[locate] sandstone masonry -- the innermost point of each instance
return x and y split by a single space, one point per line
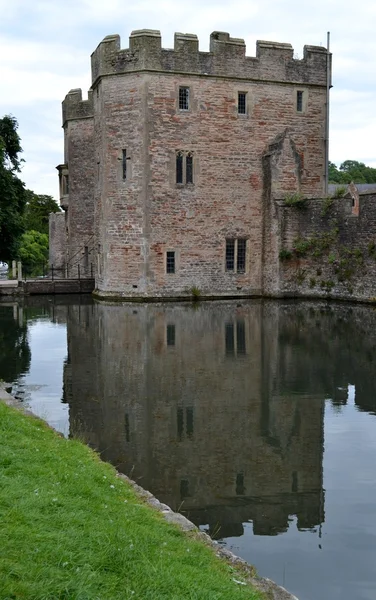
173 163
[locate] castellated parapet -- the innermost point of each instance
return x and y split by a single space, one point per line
76 108
227 58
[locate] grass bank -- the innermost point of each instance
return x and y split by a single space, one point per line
72 530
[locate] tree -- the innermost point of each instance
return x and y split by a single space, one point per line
15 352
38 209
12 190
334 174
33 252
351 170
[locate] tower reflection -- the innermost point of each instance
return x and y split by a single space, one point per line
216 409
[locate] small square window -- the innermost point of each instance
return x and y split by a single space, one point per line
183 98
170 261
299 101
242 103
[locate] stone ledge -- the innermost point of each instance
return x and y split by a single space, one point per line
267 586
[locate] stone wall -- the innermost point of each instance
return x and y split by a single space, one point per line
57 240
328 247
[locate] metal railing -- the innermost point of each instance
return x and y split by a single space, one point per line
47 271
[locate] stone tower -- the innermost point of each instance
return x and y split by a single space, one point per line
174 158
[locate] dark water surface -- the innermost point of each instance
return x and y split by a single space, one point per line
255 419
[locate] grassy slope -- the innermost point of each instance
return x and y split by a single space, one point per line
70 529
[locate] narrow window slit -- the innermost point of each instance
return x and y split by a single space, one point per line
299 101
179 167
230 255
124 164
189 168
183 98
170 335
242 103
170 261
242 244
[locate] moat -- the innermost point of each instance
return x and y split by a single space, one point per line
256 419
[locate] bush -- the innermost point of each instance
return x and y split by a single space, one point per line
296 200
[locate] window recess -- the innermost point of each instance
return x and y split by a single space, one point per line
236 255
184 167
242 103
183 98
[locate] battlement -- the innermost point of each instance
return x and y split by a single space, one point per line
76 108
226 58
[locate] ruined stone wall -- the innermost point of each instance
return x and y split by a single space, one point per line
328 247
138 220
57 240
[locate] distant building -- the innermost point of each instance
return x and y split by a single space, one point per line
171 164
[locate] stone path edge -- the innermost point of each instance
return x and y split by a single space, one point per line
269 588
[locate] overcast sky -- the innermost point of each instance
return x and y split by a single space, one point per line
45 48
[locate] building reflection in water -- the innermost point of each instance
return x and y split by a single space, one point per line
216 409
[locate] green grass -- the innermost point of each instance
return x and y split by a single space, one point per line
72 530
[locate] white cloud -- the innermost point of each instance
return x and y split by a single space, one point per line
45 48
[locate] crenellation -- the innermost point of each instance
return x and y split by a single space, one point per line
76 108
222 43
185 54
103 57
227 58
146 44
273 50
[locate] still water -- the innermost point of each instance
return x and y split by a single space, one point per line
256 419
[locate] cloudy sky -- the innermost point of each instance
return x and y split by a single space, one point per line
45 48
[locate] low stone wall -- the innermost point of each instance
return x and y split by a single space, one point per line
59 286
327 248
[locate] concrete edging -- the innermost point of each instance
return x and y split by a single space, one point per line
271 590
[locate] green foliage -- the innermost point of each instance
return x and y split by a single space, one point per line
15 352
300 276
72 529
326 206
301 246
372 249
10 142
340 191
327 285
37 211
195 293
296 200
351 170
285 254
312 282
33 251
12 190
